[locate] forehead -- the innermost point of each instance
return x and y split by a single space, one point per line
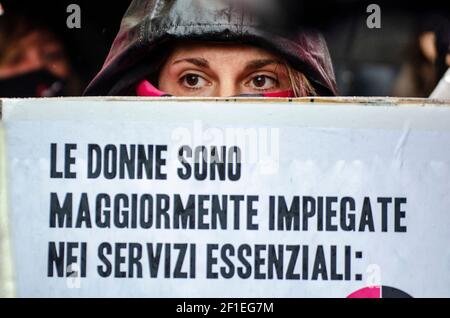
38 38
218 51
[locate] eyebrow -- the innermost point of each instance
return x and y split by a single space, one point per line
198 61
256 64
252 65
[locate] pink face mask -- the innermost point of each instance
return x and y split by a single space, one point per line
145 88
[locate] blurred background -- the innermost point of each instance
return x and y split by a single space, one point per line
41 56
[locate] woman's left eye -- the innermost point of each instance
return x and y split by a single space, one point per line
263 82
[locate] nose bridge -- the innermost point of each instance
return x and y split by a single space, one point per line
33 58
227 85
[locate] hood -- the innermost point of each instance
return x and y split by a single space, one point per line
149 25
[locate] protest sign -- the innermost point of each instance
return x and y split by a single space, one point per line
202 198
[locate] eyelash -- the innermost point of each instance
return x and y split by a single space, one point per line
182 78
276 80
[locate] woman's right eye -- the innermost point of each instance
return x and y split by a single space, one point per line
193 81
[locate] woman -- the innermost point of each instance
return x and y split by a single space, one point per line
211 48
33 61
425 62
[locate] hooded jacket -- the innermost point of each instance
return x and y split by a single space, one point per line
150 25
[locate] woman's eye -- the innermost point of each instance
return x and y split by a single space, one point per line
52 56
193 81
263 82
16 59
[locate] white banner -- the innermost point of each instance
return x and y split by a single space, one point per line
203 198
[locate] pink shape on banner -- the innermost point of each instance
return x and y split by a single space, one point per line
368 292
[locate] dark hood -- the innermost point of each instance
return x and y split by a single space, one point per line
149 25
